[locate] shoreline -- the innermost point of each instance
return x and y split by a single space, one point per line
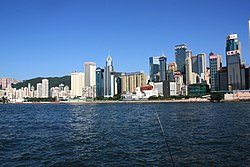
134 102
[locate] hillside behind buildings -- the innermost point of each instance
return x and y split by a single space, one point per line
53 82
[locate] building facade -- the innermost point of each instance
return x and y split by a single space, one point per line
163 67
215 63
130 81
39 90
108 79
200 89
201 60
234 62
45 88
188 67
154 65
77 84
4 82
223 79
89 69
178 78
180 56
195 64
116 82
199 65
172 67
99 82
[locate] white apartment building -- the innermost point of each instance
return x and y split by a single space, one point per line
45 88
77 84
39 88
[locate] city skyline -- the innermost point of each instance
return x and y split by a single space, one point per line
54 38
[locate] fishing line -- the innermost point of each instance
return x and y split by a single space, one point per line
163 133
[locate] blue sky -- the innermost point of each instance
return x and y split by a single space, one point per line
55 37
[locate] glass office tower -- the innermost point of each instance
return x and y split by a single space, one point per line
234 62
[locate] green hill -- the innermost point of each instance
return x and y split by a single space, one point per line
53 82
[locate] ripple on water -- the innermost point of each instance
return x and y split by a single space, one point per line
199 134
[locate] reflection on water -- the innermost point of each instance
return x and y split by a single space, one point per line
82 118
199 134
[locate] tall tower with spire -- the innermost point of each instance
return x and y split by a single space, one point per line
108 81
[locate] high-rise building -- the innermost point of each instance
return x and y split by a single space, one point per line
108 79
201 59
215 63
29 89
199 64
249 36
130 81
154 65
234 62
89 69
77 84
99 82
45 88
119 85
223 79
172 67
195 64
4 82
247 75
180 56
188 67
178 78
116 81
39 90
32 91
163 67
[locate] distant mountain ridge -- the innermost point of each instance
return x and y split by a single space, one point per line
53 82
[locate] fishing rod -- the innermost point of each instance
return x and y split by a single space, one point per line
163 133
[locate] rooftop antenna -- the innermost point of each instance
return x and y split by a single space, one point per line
162 53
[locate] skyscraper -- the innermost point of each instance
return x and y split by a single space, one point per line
45 88
108 79
195 64
116 80
89 69
199 64
215 65
154 65
249 36
223 79
77 84
119 85
172 67
178 78
163 67
99 82
188 67
234 62
180 56
201 59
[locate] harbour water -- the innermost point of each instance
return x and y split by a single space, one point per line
198 134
